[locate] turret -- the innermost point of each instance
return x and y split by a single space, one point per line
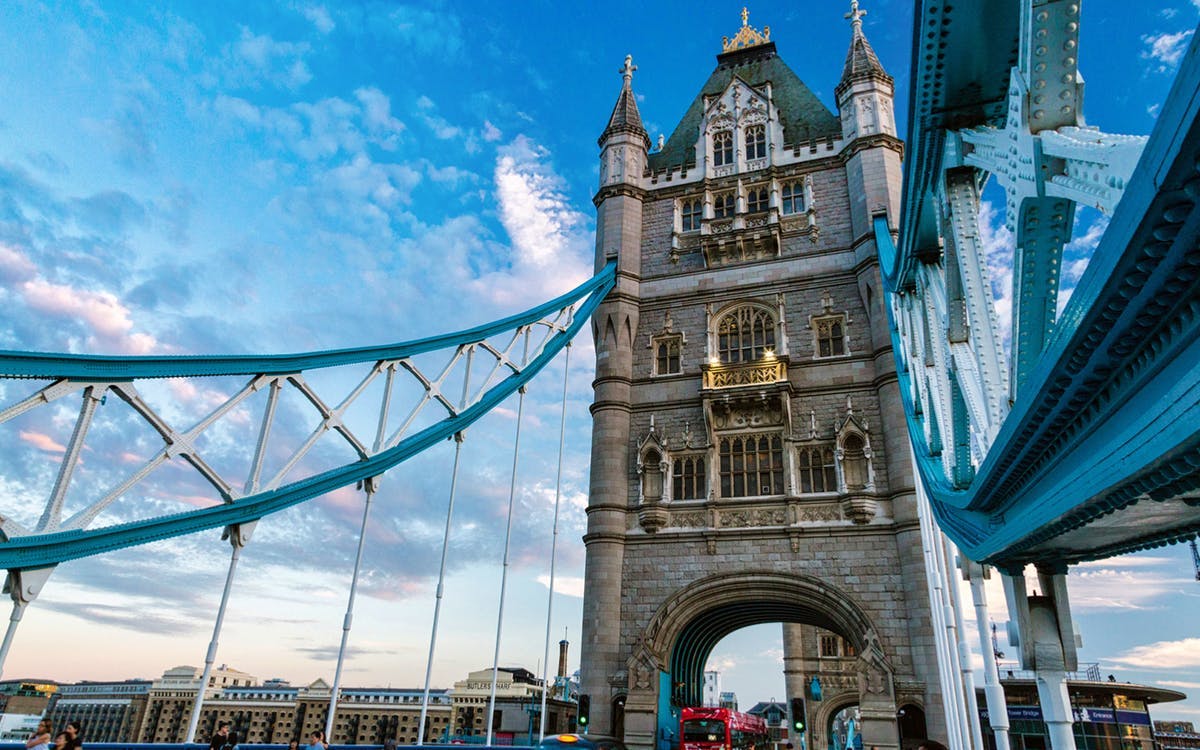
864 94
624 146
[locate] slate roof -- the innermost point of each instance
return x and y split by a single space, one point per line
803 115
861 62
625 117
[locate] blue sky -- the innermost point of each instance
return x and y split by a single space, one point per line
233 177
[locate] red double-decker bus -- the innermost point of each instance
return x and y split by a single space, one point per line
721 729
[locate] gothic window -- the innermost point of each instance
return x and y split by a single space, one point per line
818 470
723 206
756 142
793 197
691 211
751 465
744 334
854 462
831 336
756 200
722 148
848 648
666 354
687 478
829 645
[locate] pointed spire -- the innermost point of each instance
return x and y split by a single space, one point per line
625 116
861 61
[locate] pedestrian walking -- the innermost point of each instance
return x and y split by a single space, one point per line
42 736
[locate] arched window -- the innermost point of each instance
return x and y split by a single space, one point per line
691 211
854 462
751 465
722 148
723 206
688 478
745 334
793 197
756 142
818 472
666 354
756 200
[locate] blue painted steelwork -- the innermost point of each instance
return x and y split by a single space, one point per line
47 549
1098 453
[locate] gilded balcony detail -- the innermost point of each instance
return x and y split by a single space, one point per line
766 372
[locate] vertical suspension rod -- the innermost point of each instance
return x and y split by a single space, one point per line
964 649
236 541
437 607
562 440
512 496
368 486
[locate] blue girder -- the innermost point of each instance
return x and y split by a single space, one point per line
44 550
1110 415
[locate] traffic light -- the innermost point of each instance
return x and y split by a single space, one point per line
798 715
585 705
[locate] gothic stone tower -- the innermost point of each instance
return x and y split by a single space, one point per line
749 455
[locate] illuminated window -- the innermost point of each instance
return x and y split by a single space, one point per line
744 334
751 465
818 472
793 197
722 148
756 142
687 475
692 212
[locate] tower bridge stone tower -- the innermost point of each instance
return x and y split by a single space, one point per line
749 456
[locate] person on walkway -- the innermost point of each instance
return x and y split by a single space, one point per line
74 735
223 739
294 745
317 741
931 745
60 741
42 737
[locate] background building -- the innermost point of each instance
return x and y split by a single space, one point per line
109 711
1176 735
1108 715
22 704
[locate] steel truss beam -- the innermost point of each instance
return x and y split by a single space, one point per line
244 500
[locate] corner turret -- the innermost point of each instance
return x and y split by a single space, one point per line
865 92
624 143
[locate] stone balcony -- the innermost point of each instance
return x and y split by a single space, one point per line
743 237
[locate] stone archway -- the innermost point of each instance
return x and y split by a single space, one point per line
672 649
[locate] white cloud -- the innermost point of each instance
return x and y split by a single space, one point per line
533 209
1167 49
377 117
565 585
258 59
319 16
14 266
490 132
1183 654
997 245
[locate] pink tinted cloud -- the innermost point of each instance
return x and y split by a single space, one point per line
42 442
100 311
14 266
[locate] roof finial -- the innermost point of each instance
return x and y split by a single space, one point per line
747 35
627 71
855 15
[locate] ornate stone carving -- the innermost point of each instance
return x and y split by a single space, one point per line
818 514
691 520
758 373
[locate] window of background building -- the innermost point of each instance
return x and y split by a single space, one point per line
751 465
687 478
722 148
793 197
756 142
744 335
